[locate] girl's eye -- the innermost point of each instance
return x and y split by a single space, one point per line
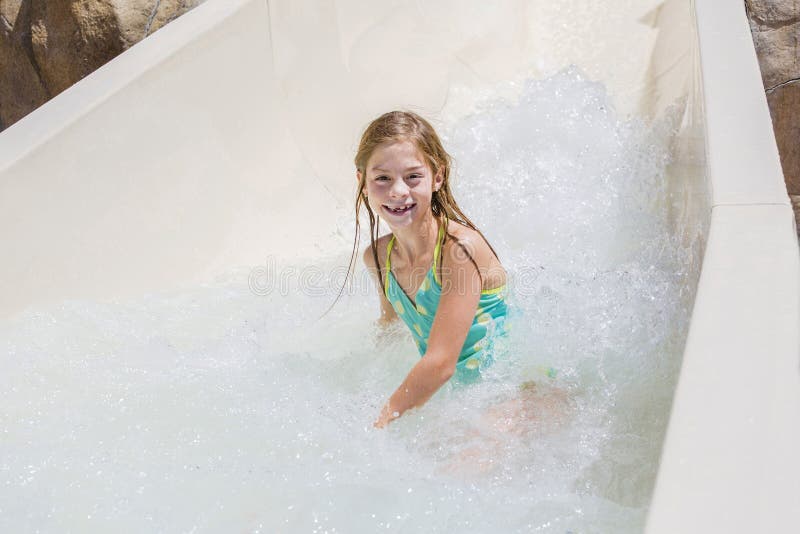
381 178
415 176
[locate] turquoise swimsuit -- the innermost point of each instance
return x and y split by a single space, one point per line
489 321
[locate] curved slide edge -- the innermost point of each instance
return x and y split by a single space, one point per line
188 154
140 176
730 460
57 114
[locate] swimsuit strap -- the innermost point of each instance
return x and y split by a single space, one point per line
436 251
388 264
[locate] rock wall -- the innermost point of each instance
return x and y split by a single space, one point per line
775 26
47 45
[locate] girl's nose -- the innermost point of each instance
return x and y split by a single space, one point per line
399 188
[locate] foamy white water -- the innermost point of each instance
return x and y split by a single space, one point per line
224 408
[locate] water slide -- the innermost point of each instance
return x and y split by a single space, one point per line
174 162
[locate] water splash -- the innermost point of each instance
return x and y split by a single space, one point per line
217 408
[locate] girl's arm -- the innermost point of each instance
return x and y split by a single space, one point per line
461 291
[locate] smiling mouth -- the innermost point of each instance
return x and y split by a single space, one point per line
399 211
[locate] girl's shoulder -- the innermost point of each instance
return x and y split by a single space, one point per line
381 243
470 240
466 239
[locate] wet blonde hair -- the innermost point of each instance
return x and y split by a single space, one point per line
408 126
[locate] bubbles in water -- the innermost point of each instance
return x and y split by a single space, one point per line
219 408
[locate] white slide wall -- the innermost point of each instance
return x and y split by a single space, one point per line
730 459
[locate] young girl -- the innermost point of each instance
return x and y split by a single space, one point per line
436 270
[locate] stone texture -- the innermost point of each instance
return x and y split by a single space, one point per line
8 12
168 10
778 53
72 38
775 26
784 107
21 88
48 45
773 12
138 19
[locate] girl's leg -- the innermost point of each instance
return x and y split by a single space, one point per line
535 410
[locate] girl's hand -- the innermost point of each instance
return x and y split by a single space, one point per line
385 417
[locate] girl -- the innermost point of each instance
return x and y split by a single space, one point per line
436 271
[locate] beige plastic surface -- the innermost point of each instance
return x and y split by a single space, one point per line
227 137
199 148
730 461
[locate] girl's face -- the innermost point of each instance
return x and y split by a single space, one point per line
399 183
